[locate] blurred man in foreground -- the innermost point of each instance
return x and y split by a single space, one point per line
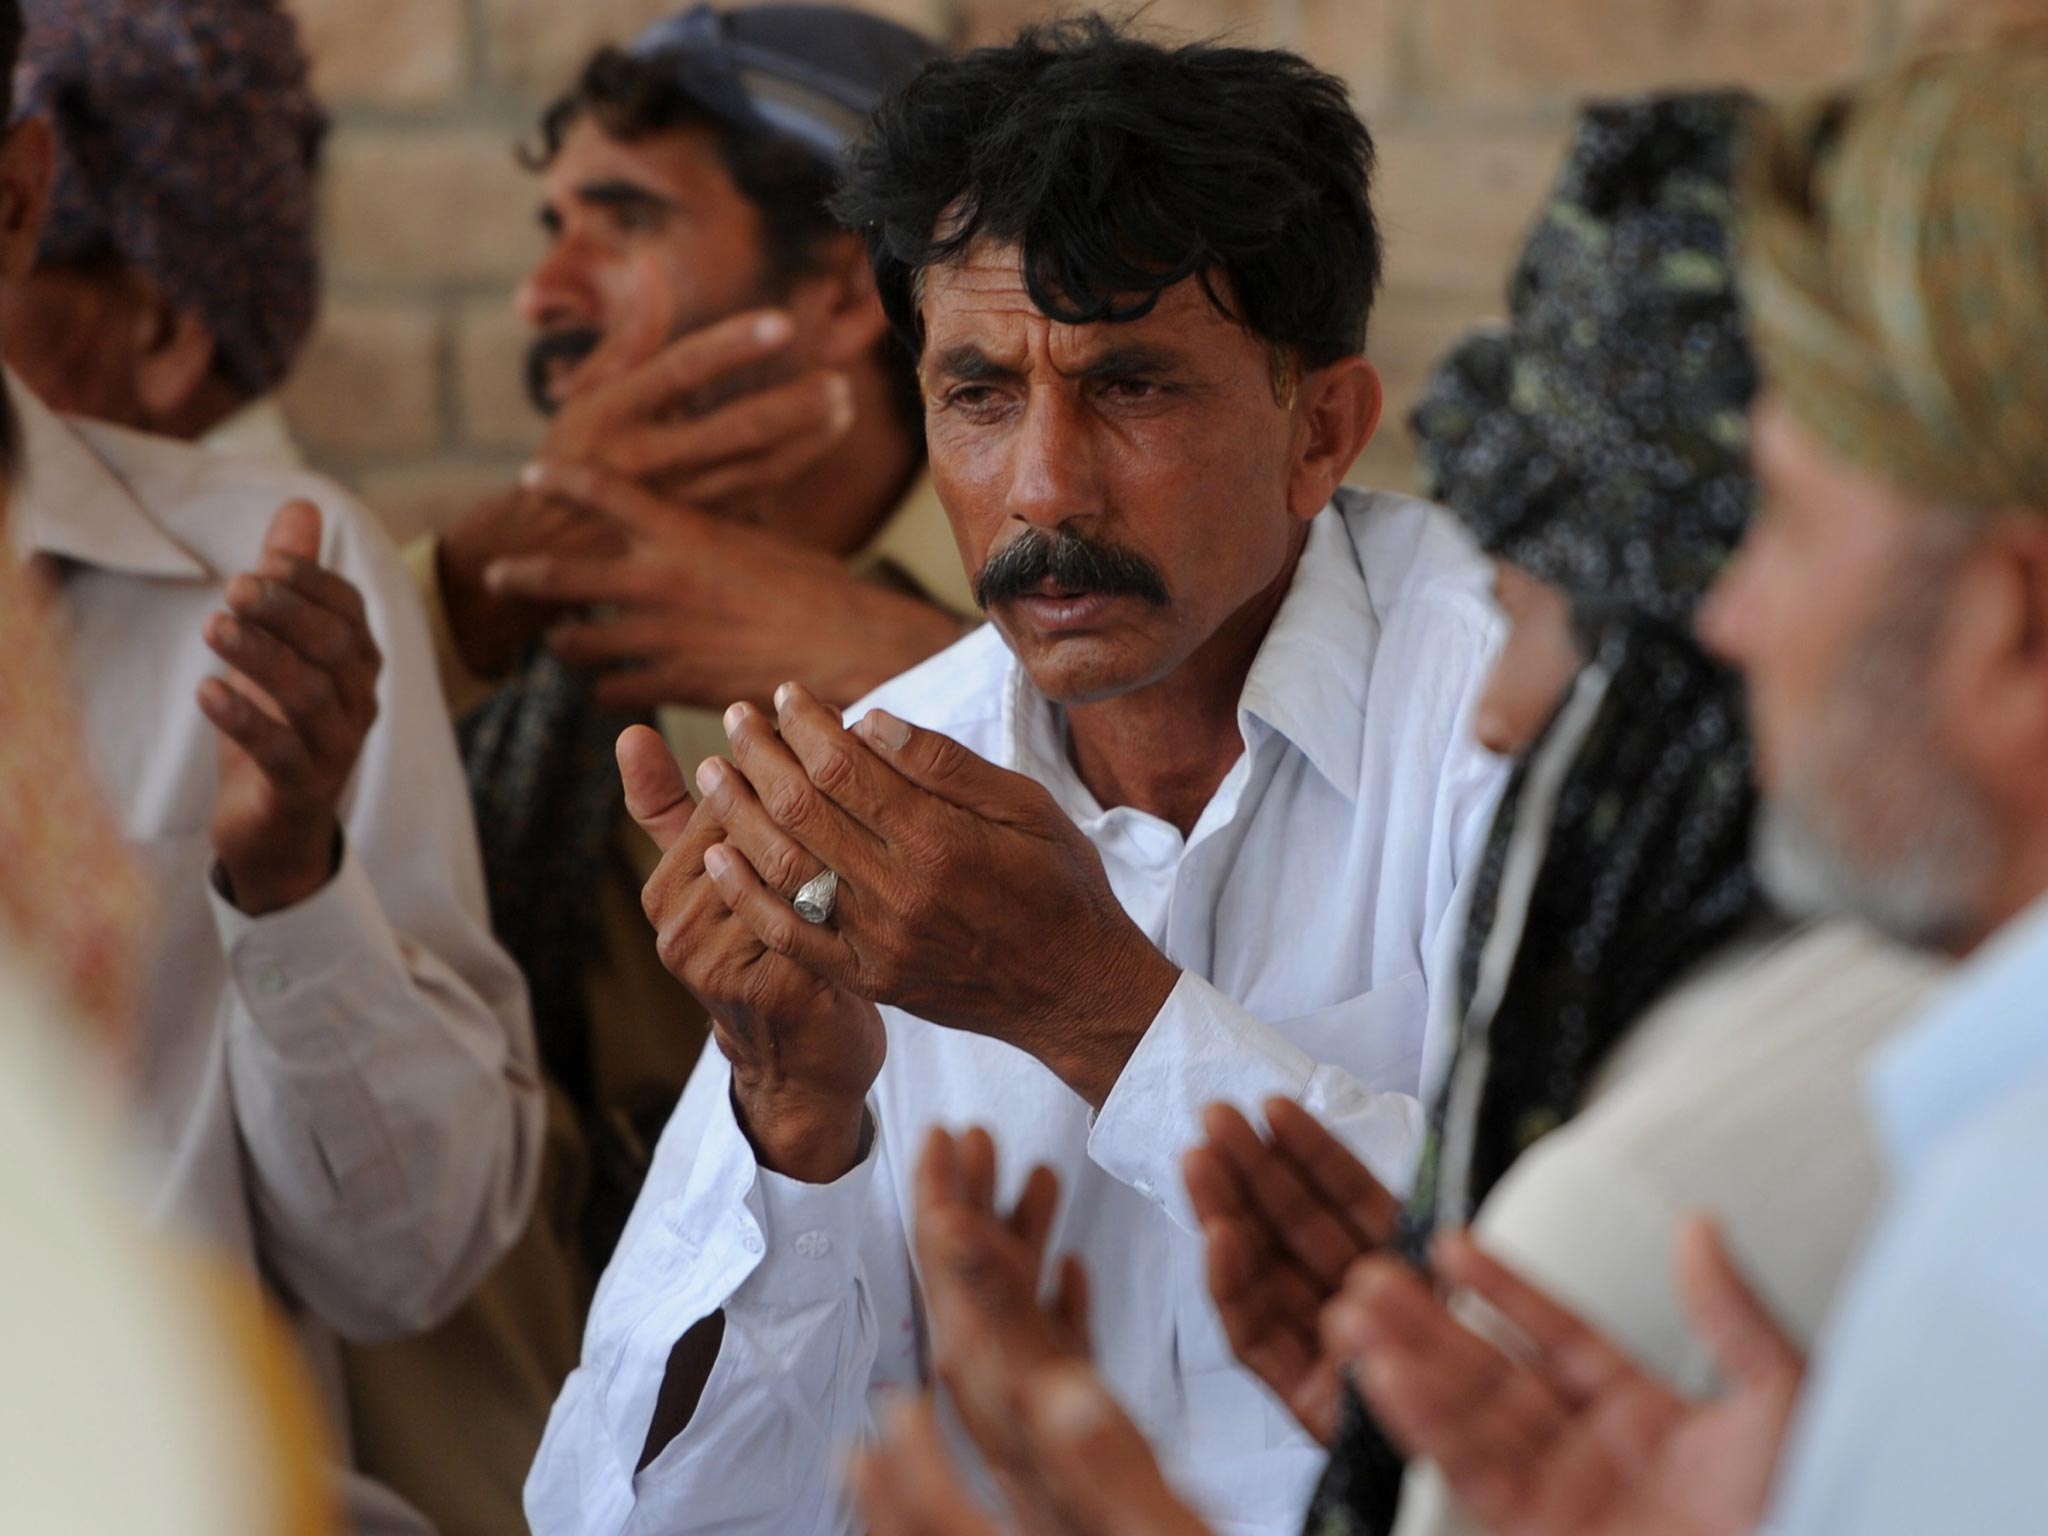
333 1061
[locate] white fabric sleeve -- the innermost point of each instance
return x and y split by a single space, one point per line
789 1266
379 1046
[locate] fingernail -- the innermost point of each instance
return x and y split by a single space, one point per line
885 730
1071 1404
710 774
717 862
782 696
772 328
839 399
532 476
734 718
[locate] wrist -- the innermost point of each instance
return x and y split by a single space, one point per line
811 1139
1123 994
257 885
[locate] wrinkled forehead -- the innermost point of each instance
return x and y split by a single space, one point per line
979 300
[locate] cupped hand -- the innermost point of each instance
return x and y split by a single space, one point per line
967 896
803 1052
1284 1218
1571 1437
292 713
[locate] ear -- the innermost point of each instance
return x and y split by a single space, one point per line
27 155
837 306
174 357
1336 415
1994 668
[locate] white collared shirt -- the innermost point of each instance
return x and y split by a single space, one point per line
1311 909
342 1094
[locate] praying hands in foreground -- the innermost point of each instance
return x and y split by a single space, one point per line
1562 1435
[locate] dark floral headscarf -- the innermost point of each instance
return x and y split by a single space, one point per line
187 140
1599 443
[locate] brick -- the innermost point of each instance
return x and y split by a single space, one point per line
425 498
537 46
387 53
1357 39
370 382
1498 51
1411 332
428 207
996 21
1456 202
1931 24
490 379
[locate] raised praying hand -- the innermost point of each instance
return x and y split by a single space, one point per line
1284 1217
1570 1437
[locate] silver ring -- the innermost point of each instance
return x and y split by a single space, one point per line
815 901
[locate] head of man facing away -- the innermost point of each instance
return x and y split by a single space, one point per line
1137 282
1890 607
176 279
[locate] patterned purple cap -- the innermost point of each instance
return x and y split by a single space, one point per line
187 142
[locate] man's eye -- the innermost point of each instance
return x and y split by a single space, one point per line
641 221
1130 389
972 397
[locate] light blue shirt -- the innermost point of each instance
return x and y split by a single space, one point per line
1927 1411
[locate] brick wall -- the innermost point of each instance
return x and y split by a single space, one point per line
411 390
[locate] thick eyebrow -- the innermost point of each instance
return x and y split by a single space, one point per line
1128 359
624 194
968 364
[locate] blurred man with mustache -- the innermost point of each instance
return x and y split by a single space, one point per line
731 491
1187 820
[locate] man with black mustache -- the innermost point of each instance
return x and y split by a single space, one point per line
1188 820
731 491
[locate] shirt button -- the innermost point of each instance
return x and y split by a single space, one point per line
270 981
1145 1188
751 1241
813 1245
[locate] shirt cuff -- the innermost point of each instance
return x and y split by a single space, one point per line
280 958
461 687
1200 1049
807 1236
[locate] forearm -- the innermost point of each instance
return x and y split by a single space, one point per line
753 1287
388 1102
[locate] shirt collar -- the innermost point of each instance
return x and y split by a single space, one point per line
1987 1031
1307 684
67 502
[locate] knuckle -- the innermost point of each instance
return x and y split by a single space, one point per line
779 934
782 869
834 772
791 803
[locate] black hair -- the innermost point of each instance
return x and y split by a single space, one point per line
637 96
1120 167
10 56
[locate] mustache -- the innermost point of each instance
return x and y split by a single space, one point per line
1071 563
547 350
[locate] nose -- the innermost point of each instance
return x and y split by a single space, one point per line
558 292
1721 625
1053 469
